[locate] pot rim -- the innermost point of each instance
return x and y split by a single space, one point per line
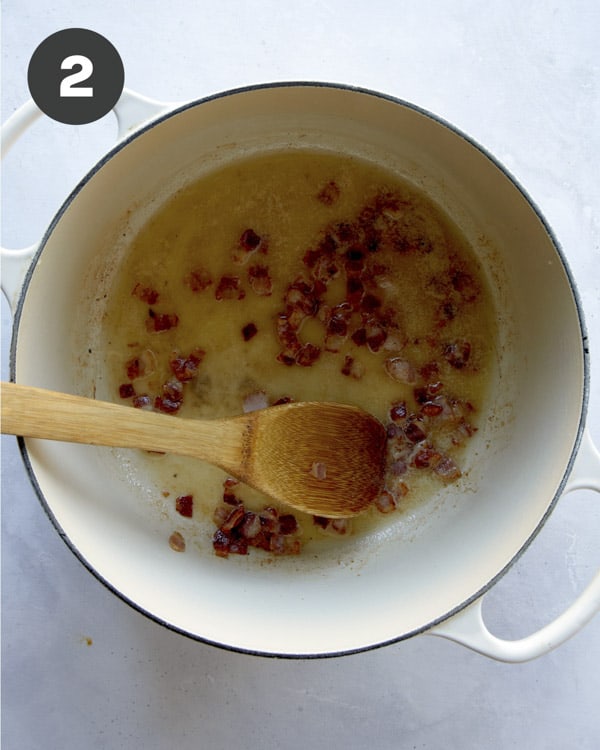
297 84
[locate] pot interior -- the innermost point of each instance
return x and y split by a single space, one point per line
362 591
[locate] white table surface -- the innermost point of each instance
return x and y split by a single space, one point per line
81 669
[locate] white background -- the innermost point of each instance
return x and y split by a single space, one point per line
523 79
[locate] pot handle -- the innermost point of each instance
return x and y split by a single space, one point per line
468 628
132 111
16 262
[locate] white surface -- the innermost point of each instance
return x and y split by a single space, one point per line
521 78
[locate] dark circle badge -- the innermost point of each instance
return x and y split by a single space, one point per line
75 76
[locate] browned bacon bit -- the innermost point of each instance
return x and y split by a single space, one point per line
432 409
158 322
141 365
249 240
260 280
184 505
359 337
398 411
385 502
143 401
457 353
235 518
177 542
447 469
426 457
333 525
375 334
283 400
145 294
134 368
185 368
325 270
248 243
429 371
337 321
355 291
401 369
329 193
126 390
249 331
352 368
301 296
284 545
229 496
308 355
229 287
414 433
370 303
288 524
171 399
198 279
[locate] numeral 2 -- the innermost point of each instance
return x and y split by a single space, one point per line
68 83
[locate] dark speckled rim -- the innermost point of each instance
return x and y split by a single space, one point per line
363 92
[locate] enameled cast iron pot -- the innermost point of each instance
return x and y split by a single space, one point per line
426 573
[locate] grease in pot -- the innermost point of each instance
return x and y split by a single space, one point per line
304 275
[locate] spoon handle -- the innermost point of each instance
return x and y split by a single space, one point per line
39 413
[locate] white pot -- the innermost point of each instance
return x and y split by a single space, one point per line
428 573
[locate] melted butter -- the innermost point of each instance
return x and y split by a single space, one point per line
276 195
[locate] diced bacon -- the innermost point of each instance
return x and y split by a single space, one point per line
375 335
185 368
385 502
401 369
279 544
126 390
145 293
355 291
248 243
447 469
249 331
398 411
339 526
353 368
307 355
426 457
142 401
414 433
184 505
171 397
159 322
229 287
198 279
260 280
457 353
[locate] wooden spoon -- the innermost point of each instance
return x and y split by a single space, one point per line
322 458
